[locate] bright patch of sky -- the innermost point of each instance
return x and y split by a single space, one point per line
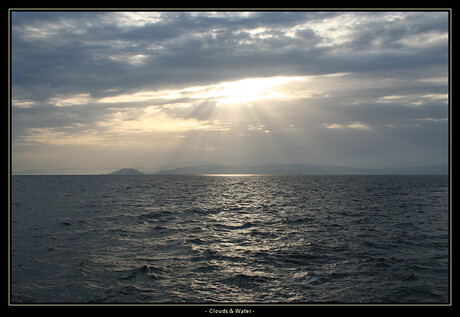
161 89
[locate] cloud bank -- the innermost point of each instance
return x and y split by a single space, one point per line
103 90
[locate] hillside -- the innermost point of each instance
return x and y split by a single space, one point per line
126 171
304 169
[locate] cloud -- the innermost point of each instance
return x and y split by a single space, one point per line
93 51
353 125
292 82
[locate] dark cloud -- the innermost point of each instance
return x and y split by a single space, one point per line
90 51
65 63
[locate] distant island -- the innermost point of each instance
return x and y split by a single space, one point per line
304 169
274 169
126 171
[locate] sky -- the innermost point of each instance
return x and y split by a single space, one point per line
96 91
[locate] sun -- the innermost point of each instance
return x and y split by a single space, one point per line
242 91
246 90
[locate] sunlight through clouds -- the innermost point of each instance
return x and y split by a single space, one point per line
154 121
240 91
248 90
229 87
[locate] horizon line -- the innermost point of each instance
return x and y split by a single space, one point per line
169 171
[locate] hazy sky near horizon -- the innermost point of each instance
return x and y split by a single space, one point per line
150 90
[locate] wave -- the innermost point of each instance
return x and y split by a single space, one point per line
253 239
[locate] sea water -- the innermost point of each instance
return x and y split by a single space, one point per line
229 239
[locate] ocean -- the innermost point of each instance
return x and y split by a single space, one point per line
229 239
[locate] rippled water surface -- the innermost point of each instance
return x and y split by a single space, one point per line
239 239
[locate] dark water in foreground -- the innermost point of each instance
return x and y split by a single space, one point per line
239 239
